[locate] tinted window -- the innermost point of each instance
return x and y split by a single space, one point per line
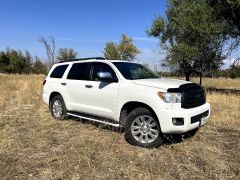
134 71
79 71
101 67
59 71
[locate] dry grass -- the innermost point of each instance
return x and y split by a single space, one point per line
220 83
33 145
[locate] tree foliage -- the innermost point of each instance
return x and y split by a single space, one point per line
192 36
230 11
14 61
124 50
111 51
66 54
38 67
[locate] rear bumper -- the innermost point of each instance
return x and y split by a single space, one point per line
165 118
45 98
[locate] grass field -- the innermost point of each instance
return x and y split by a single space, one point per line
33 145
219 83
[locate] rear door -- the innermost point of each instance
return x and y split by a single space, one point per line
54 80
77 78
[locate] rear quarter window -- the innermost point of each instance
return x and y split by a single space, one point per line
59 71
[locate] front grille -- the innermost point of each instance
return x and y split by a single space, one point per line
193 95
198 117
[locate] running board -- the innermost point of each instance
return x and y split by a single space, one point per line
93 119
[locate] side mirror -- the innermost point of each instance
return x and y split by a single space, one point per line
105 77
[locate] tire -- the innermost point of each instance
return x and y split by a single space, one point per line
142 129
58 108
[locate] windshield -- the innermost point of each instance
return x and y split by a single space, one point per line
133 71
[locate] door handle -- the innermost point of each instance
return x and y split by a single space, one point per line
88 86
64 84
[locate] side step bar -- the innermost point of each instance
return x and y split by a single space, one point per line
93 119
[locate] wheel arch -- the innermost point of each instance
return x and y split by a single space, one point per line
52 95
129 106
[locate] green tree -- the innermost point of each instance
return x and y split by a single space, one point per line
111 51
38 67
124 50
191 36
29 60
230 11
14 61
66 54
127 49
17 61
4 62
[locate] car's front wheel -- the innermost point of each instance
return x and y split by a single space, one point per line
58 108
142 129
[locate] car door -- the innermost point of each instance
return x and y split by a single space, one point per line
102 96
77 78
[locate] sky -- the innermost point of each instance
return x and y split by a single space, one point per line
82 25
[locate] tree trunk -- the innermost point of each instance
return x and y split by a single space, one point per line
200 75
187 77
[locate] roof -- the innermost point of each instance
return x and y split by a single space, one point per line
82 59
89 59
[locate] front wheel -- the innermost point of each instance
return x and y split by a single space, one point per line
58 108
142 129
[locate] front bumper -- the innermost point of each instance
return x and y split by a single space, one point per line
165 118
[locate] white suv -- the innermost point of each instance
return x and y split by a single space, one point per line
125 94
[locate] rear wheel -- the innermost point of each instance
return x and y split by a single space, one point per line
58 108
142 129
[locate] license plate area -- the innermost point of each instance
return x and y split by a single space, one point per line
202 118
203 121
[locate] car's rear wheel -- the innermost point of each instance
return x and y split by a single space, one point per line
58 108
142 129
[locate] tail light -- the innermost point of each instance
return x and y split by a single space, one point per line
44 82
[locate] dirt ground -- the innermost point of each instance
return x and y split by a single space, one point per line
33 145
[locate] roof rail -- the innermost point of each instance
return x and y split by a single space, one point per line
81 59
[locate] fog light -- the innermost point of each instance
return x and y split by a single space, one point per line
178 121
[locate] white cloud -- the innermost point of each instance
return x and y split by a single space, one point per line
152 57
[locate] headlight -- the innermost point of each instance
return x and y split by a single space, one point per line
170 97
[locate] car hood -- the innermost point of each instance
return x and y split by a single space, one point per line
162 83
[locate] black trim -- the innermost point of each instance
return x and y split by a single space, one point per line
182 87
59 71
178 121
92 69
101 118
193 95
87 78
198 117
174 90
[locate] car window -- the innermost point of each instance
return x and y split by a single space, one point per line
135 71
59 71
101 67
79 71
